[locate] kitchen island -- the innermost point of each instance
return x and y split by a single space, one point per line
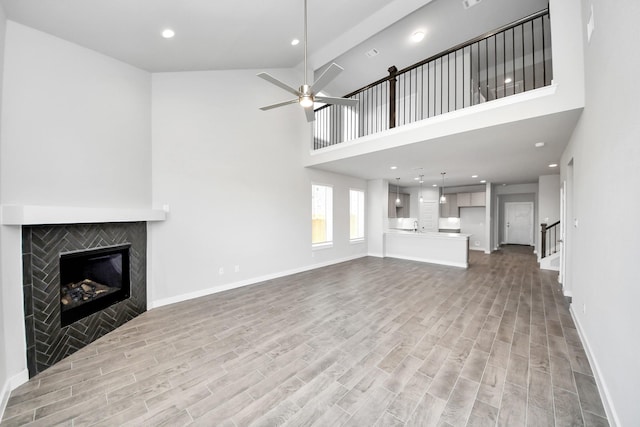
437 248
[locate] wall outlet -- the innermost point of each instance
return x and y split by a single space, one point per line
476 243
237 268
221 271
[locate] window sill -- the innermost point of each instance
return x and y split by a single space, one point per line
321 246
357 241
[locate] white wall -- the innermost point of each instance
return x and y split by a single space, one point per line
549 199
232 177
79 120
605 153
75 130
4 372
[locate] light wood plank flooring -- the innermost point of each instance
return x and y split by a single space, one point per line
371 342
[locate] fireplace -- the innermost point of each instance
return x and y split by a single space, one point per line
62 315
92 280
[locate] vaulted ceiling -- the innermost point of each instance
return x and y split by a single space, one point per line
250 34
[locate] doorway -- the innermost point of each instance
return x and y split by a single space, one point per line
518 223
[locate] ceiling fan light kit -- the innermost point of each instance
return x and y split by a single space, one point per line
306 96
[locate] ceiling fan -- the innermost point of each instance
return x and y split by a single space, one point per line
306 96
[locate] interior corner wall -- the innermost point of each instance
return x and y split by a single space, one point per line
231 176
79 119
605 154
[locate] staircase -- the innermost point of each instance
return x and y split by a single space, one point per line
550 247
551 262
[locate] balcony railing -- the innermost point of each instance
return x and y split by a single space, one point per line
511 60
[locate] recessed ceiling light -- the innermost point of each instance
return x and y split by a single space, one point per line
418 36
394 168
553 165
508 80
484 181
168 33
295 42
474 176
417 178
434 185
539 144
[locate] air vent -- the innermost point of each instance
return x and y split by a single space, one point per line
371 53
470 3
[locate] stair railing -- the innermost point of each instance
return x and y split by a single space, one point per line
549 239
507 61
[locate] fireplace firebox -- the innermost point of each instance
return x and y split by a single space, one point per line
92 280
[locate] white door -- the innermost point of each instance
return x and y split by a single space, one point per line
429 215
518 223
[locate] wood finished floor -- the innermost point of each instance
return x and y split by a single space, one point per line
371 342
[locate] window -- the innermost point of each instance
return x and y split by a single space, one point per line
321 215
356 214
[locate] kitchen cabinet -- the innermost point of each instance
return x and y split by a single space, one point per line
464 200
478 199
401 210
471 199
450 209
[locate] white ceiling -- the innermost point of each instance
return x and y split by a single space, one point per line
250 34
238 34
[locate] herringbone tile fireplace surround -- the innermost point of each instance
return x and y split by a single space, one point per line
47 341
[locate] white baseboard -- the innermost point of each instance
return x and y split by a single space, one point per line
247 282
612 415
11 384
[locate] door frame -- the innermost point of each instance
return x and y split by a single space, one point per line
532 222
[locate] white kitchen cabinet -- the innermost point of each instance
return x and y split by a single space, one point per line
478 199
464 200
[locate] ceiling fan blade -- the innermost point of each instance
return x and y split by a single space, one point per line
273 80
279 104
328 75
340 101
311 117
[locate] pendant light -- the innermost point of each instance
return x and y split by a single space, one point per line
397 191
421 181
443 198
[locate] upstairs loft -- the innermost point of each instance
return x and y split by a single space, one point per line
510 74
504 62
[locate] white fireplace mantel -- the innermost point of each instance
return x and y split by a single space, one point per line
37 215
